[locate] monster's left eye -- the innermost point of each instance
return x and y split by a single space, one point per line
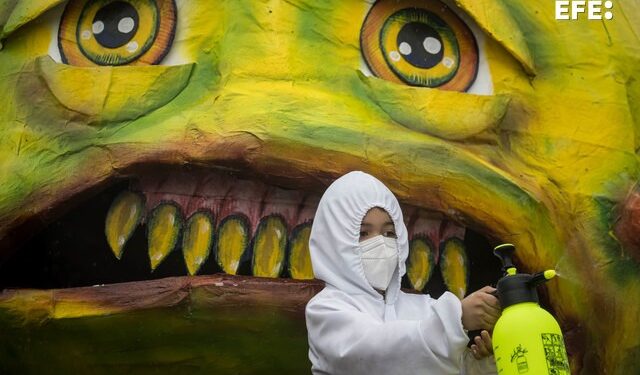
116 32
419 43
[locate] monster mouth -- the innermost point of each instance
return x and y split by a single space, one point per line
251 283
166 221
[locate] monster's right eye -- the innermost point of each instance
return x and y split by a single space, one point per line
116 32
419 43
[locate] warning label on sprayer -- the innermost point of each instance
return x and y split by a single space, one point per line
555 354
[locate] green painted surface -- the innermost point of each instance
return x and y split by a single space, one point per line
189 338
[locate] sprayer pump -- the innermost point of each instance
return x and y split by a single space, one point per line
517 287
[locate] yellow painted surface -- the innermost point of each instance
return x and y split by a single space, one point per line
494 18
15 13
420 263
163 228
122 219
455 267
300 259
110 93
233 237
269 247
197 241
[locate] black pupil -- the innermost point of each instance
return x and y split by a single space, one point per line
115 24
414 35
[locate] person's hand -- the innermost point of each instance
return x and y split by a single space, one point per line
480 309
482 346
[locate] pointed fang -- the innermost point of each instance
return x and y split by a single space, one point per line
123 217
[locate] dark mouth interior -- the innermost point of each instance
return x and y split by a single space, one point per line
73 252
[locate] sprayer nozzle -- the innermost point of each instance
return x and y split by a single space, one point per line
541 277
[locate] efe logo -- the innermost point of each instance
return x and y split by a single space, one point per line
592 9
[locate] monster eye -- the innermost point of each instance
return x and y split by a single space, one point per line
419 43
114 32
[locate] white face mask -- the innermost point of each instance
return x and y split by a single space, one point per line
379 260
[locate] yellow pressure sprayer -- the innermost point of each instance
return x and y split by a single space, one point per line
526 338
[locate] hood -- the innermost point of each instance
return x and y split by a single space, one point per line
335 234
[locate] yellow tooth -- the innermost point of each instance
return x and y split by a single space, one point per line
269 246
233 239
196 241
420 263
299 258
455 266
163 230
122 219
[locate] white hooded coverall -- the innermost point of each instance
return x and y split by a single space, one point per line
353 329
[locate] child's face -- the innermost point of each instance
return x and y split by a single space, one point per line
377 221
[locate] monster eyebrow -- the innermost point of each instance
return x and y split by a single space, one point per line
496 20
16 13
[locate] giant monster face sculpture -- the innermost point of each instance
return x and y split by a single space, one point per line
196 137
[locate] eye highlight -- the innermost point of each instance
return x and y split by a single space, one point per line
419 43
116 32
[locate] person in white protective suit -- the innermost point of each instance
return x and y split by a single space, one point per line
361 322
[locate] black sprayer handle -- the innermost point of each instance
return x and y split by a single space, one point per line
505 253
476 332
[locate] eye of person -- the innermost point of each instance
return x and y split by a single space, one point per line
390 234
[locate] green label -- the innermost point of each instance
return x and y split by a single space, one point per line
555 354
